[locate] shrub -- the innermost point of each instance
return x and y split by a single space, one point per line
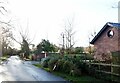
67 66
59 66
52 63
44 62
73 65
84 67
75 72
79 63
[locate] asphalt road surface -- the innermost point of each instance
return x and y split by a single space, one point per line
15 69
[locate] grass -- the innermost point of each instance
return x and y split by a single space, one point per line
3 58
39 66
73 79
79 79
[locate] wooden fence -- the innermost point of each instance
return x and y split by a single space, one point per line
112 70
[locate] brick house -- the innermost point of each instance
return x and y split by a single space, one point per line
107 41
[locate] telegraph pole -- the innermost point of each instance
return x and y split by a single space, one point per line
119 12
118 6
63 45
0 42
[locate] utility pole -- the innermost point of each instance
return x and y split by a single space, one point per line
63 46
0 42
118 6
119 12
89 46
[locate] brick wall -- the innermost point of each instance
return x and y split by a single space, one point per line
104 44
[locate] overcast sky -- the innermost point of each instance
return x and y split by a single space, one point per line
46 18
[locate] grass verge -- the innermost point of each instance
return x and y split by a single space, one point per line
39 66
73 79
3 58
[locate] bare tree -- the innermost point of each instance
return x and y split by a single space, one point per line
3 8
25 41
68 35
90 37
24 44
23 34
6 33
62 51
5 29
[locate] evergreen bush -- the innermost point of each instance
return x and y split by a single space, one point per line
67 66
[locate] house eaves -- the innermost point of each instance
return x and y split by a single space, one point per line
108 24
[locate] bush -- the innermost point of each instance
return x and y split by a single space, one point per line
52 63
73 65
79 63
44 62
59 66
75 72
84 67
67 66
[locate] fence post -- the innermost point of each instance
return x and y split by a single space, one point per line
99 69
89 67
99 66
111 71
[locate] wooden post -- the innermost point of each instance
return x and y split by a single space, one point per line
89 67
99 67
111 71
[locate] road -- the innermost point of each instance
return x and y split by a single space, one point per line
15 69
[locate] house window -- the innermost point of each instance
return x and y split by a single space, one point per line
110 33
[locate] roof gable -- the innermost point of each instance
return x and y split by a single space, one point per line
108 24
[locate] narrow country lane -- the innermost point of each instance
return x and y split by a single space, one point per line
16 70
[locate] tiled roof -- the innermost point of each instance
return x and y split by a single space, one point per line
116 25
